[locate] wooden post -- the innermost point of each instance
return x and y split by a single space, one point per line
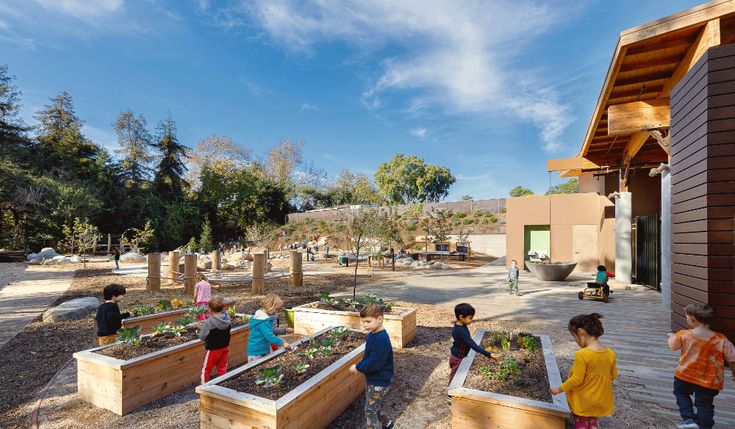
190 271
297 272
258 273
266 259
216 261
109 243
173 266
154 273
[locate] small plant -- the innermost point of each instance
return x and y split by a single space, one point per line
142 310
529 343
177 330
325 299
195 312
301 367
497 337
510 366
310 352
505 344
231 312
487 372
129 335
164 305
269 376
161 329
339 333
185 321
177 303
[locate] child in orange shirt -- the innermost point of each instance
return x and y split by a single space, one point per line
589 385
701 370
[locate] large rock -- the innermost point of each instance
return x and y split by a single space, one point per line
71 310
132 256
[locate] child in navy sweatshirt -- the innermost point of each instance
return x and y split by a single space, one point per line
462 341
377 365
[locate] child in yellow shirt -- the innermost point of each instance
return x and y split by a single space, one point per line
589 385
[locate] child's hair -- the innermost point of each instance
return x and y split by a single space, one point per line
601 268
513 260
199 277
463 309
702 312
217 304
271 303
589 322
113 290
371 310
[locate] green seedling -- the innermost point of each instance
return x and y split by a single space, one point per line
324 298
339 333
177 330
164 305
301 367
161 328
142 310
269 376
231 312
185 321
505 344
529 343
496 337
310 352
129 335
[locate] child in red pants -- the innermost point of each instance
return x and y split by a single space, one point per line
216 335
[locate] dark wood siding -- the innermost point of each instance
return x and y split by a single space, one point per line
703 189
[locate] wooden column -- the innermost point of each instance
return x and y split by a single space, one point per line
297 271
154 273
258 273
266 259
216 261
109 243
173 266
190 271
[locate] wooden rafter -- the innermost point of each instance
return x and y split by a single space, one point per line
634 145
708 37
638 116
570 164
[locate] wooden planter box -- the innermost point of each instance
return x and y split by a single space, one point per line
476 409
147 322
401 326
313 404
123 385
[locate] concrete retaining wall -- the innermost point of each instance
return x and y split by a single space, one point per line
489 244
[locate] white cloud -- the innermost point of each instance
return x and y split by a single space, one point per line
307 106
419 132
83 8
459 55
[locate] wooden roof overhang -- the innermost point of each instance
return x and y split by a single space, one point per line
629 125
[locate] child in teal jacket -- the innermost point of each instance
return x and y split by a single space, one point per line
261 328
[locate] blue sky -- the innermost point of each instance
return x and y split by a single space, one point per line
490 89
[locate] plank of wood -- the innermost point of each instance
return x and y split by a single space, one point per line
708 37
638 116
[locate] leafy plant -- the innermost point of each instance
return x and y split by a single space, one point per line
310 352
185 321
325 299
529 343
505 344
161 328
496 337
177 330
508 366
177 303
129 335
339 333
195 312
143 310
164 305
231 312
269 376
301 367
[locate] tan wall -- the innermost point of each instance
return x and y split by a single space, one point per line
565 212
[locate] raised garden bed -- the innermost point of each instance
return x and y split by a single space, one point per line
148 321
506 395
400 322
311 399
121 385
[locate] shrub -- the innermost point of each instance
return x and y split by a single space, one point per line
468 221
460 214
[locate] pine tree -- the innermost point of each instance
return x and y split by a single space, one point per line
205 239
135 143
169 183
12 130
62 144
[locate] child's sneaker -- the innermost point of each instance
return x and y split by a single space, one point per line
388 425
687 424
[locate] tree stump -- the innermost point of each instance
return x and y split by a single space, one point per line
216 261
154 273
173 266
258 273
190 272
297 272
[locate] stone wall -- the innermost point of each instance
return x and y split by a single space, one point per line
489 244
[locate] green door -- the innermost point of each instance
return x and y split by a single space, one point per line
538 238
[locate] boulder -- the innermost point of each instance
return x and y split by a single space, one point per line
71 310
132 256
204 263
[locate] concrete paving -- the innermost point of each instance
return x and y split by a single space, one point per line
635 322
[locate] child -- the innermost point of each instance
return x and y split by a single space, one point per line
216 335
117 259
589 385
261 328
601 278
376 365
701 370
108 317
513 277
462 341
202 294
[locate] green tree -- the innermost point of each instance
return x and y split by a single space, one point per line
407 179
169 183
571 186
352 188
520 191
360 226
467 198
135 142
205 238
13 142
61 142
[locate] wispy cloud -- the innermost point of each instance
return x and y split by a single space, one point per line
419 132
83 9
460 55
307 106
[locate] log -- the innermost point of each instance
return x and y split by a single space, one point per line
153 282
400 324
173 266
297 271
216 261
476 409
190 271
258 273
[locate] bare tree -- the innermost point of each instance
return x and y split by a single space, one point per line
360 226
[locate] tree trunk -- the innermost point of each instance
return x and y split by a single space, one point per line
354 286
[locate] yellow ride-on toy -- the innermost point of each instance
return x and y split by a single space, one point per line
596 291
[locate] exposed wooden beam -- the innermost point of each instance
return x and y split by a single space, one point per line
570 173
634 145
578 163
708 38
638 116
663 141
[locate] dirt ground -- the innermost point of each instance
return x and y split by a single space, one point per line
418 396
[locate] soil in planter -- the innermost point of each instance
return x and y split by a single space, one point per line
343 306
153 344
487 374
245 382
